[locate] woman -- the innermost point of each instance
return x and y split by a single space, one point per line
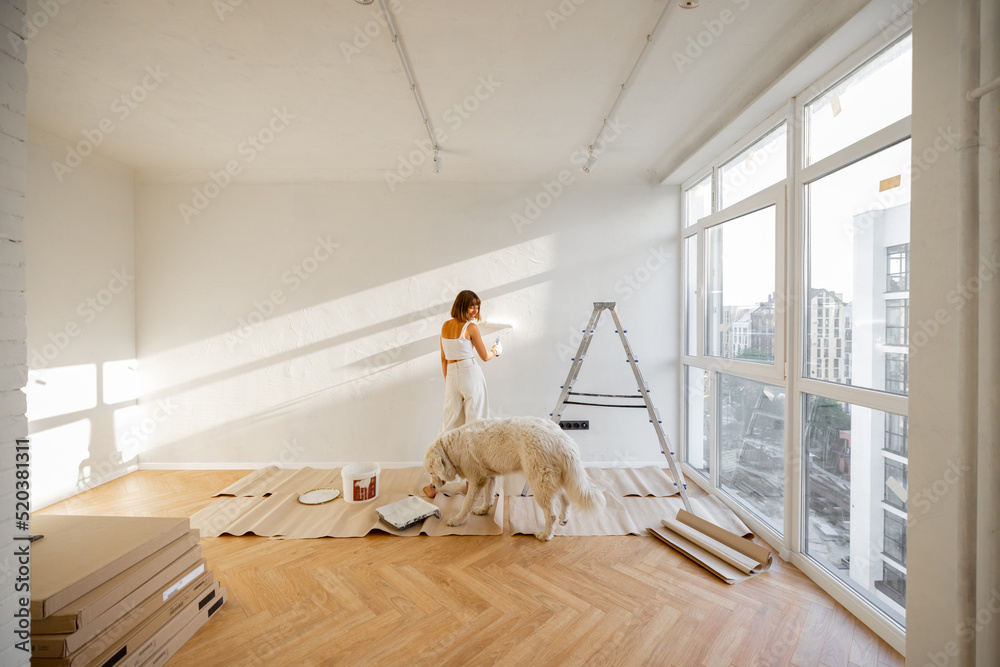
465 398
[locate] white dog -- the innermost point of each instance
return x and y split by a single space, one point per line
480 451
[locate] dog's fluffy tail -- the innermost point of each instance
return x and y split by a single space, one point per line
580 489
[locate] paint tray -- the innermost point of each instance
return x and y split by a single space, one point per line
407 512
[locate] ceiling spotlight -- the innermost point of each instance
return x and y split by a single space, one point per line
589 164
689 4
368 2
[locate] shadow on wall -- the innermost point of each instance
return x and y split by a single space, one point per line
84 426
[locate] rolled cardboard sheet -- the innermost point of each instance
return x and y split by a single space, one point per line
730 557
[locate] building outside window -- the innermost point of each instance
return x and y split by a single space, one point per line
897 322
829 409
898 272
895 434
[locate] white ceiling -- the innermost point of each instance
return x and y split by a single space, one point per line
229 63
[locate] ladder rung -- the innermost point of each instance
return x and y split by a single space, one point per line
602 405
580 393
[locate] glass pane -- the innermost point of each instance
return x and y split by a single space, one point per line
751 446
740 308
898 268
896 434
763 164
691 297
854 325
874 96
856 491
699 200
696 403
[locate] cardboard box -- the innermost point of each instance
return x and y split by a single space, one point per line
121 622
174 645
79 553
143 641
86 610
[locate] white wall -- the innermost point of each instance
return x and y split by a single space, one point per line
81 320
953 598
244 363
13 367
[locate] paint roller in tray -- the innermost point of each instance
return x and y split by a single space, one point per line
407 512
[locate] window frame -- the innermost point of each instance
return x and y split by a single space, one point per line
796 385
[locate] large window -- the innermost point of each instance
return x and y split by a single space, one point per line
741 287
850 222
854 492
796 357
752 446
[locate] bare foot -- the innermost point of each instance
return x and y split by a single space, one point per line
430 491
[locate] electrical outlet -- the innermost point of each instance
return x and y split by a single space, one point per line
581 425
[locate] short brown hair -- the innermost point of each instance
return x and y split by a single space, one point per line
463 301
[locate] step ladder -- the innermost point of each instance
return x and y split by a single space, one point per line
643 393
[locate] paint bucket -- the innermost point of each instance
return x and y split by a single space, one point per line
360 482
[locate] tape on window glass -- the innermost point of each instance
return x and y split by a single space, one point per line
889 183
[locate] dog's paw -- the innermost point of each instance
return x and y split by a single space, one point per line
544 537
564 521
480 511
455 521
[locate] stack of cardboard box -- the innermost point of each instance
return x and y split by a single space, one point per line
117 591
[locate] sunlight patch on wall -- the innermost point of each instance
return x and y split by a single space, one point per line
61 391
121 383
335 350
64 452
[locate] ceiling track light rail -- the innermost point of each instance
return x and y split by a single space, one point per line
592 158
413 84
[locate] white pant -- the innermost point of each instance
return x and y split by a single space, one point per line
465 398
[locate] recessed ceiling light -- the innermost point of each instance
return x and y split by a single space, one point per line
689 4
363 2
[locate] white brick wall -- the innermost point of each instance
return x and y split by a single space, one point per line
13 336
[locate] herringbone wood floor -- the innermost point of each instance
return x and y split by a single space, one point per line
507 600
